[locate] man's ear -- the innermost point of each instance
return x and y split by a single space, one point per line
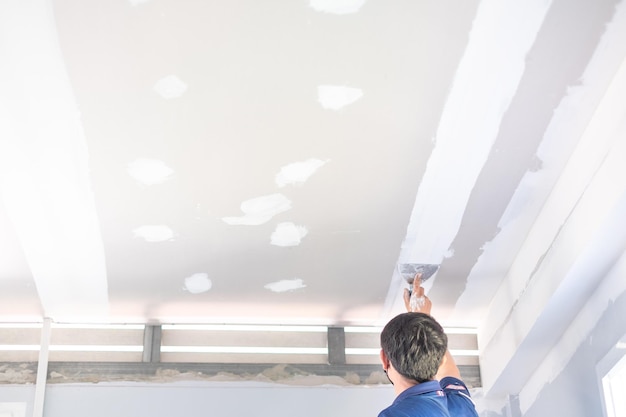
384 360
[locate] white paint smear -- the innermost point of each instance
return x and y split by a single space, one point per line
149 171
154 233
260 210
198 283
288 234
298 172
286 285
170 87
336 6
137 2
336 97
466 134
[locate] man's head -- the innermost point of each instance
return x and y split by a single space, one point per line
415 344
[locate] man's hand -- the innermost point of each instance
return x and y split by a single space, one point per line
417 301
448 366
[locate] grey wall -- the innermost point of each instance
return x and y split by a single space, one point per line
203 400
216 399
191 399
576 391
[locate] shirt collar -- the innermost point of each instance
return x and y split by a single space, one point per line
420 389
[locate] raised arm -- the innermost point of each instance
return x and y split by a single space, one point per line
417 301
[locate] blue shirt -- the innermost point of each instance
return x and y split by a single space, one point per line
429 399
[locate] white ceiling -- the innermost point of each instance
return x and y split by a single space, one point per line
358 135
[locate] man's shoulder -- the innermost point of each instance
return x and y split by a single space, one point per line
459 400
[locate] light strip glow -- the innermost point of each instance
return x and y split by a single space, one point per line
19 348
376 352
460 330
73 348
244 349
447 330
245 328
73 326
362 329
98 326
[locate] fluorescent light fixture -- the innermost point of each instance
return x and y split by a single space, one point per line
460 330
245 328
245 349
362 329
19 348
73 348
96 348
376 351
363 351
448 330
98 326
73 326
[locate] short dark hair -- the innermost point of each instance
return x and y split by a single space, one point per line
415 344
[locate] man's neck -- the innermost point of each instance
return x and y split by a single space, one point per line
401 384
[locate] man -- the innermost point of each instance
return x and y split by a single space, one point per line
417 362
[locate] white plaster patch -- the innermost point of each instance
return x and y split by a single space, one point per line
149 171
170 87
336 97
298 172
260 210
336 6
154 233
288 234
285 285
198 283
137 2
